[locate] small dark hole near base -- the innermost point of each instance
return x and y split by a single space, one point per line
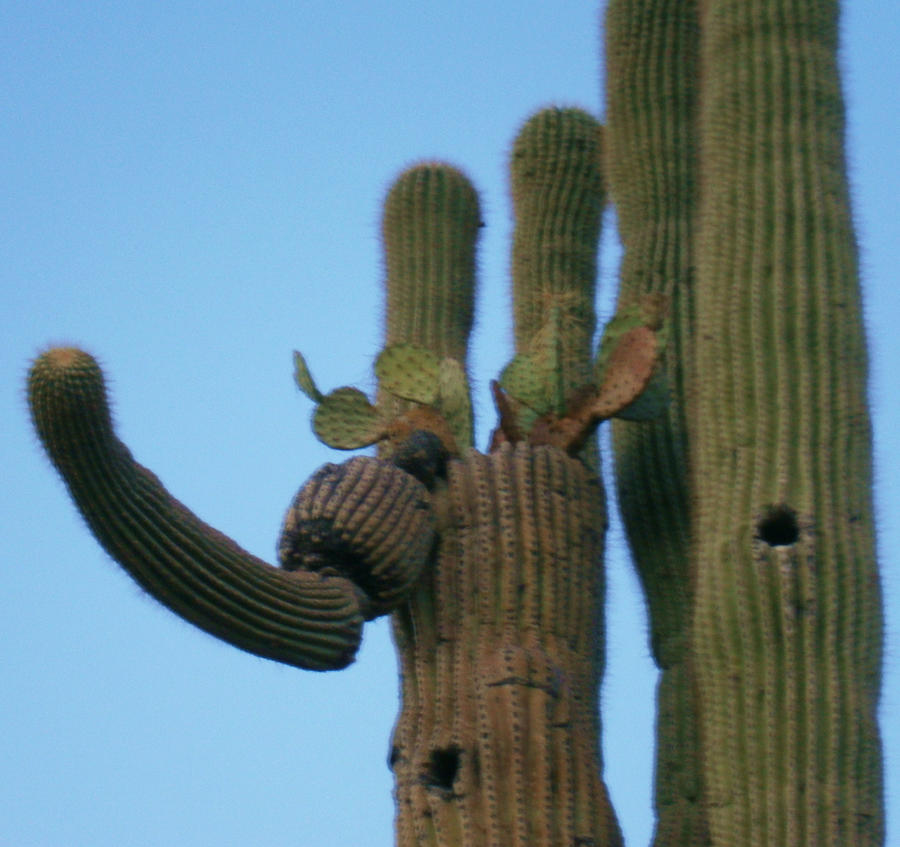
443 767
778 527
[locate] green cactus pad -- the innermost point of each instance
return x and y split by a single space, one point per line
409 372
534 378
526 379
454 400
304 379
546 348
346 420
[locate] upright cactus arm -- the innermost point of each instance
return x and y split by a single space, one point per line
301 618
429 228
652 57
557 192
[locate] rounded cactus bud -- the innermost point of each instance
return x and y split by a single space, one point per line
366 520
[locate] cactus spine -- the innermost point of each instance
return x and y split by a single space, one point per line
766 619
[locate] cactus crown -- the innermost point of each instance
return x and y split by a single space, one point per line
551 392
530 394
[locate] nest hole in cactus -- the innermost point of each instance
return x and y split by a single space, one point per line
778 526
442 768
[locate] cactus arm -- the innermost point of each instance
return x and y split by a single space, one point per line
429 227
557 191
301 618
368 520
652 57
787 623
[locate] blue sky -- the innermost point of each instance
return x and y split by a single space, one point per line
191 191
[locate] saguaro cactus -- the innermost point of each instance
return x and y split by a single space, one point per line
746 498
748 505
490 563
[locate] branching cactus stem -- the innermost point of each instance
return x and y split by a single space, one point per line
736 367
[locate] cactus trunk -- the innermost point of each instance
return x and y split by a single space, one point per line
497 740
766 617
787 625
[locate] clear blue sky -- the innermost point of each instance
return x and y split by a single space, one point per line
190 191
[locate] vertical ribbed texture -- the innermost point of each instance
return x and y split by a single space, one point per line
430 226
501 656
652 56
302 618
429 233
787 625
500 644
557 191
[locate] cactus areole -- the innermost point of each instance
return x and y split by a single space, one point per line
736 369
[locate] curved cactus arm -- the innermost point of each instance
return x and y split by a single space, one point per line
309 620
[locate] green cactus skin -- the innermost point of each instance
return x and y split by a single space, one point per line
429 229
650 150
303 619
787 624
557 191
409 372
500 643
748 507
346 420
